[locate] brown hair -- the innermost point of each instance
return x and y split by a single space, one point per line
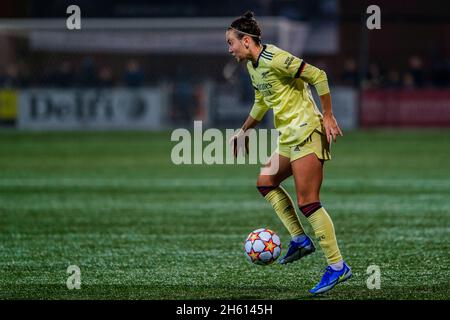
247 25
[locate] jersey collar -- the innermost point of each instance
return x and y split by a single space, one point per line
257 61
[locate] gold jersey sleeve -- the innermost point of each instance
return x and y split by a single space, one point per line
288 65
259 108
316 77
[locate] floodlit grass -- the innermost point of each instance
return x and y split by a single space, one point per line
140 227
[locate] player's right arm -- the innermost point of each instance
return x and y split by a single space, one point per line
258 111
249 123
237 141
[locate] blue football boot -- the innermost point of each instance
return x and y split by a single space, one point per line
331 278
298 250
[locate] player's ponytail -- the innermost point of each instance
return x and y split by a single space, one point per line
247 25
249 15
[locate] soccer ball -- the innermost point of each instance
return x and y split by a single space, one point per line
262 246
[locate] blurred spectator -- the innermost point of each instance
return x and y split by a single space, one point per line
373 77
134 76
200 101
87 76
15 75
183 98
64 76
416 71
67 74
105 77
393 79
10 78
408 81
183 101
349 76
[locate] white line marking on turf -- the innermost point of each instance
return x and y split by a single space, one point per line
209 182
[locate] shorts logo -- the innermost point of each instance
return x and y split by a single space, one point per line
297 148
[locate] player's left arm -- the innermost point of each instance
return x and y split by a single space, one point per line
288 65
329 121
318 78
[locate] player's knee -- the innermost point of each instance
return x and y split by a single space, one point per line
264 185
306 197
263 181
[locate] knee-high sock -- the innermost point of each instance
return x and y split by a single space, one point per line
284 207
324 230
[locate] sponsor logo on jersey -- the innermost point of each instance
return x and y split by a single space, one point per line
288 61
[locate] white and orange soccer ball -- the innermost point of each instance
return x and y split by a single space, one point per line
262 246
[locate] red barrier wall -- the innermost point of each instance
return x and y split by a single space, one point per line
405 108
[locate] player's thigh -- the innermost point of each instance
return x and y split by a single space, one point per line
277 169
308 175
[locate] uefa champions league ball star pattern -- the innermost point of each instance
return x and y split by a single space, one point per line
262 246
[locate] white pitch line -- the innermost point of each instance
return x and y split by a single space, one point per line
209 182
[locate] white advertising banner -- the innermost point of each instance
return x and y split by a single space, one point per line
345 106
58 109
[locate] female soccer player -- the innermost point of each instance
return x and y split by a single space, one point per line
281 82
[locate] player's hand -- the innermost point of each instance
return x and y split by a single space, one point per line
238 142
331 128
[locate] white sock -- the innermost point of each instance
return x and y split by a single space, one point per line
337 266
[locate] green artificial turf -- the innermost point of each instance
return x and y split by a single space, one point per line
140 227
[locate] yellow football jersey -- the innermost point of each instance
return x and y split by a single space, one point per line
281 82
